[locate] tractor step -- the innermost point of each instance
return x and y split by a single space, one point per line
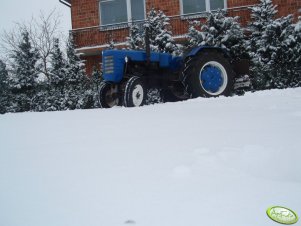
242 82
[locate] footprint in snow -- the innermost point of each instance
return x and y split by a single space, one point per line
129 222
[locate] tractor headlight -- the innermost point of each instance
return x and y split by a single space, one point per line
109 64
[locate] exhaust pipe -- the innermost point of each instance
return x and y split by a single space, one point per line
147 45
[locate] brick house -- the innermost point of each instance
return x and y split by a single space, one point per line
96 22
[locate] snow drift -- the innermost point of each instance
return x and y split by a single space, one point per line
219 161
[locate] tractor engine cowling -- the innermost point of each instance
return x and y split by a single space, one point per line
114 62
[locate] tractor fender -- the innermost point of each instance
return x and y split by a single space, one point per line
200 49
240 66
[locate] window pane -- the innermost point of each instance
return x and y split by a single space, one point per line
113 11
193 6
217 4
137 9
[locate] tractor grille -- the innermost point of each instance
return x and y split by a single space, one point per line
109 64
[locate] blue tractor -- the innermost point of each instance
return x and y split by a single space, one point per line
204 71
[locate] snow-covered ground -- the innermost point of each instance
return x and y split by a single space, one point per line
214 162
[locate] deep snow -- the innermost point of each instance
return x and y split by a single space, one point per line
214 162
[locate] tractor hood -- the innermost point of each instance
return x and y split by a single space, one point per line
114 61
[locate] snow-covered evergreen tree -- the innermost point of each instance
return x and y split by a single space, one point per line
3 75
194 35
135 39
4 90
58 64
41 97
276 55
23 79
111 44
261 16
298 27
154 96
273 47
219 31
75 65
160 34
24 58
76 79
51 95
297 35
96 79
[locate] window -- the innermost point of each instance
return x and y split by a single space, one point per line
197 6
121 11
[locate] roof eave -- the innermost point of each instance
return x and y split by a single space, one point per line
66 2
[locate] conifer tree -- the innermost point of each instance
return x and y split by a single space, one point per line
297 35
94 85
4 91
219 31
76 79
24 58
298 27
58 64
276 56
51 96
160 34
273 47
75 65
195 36
135 39
261 16
23 80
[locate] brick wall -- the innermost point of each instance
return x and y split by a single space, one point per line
85 13
286 7
170 7
244 13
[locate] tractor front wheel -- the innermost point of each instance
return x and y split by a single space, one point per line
135 92
108 95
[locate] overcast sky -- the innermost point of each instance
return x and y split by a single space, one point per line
22 10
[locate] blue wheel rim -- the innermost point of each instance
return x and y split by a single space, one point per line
212 78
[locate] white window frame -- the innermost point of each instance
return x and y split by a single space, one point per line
207 4
128 9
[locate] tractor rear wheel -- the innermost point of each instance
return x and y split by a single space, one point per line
209 74
135 92
108 95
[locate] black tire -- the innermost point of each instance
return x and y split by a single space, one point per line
135 92
193 77
108 97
